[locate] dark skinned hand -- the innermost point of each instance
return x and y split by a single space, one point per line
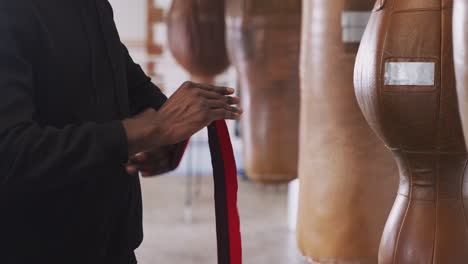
163 160
191 108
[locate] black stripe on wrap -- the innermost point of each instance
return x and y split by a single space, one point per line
222 228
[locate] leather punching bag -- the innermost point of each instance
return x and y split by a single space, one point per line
346 174
263 44
196 36
405 85
460 44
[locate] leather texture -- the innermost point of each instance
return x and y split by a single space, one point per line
196 36
347 183
460 44
263 44
421 125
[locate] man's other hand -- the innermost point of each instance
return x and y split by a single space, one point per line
162 160
150 163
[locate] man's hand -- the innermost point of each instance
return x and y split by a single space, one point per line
191 108
149 164
162 160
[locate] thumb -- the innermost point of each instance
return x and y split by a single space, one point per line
140 157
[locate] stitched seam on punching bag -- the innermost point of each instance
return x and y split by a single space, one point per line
381 79
439 127
462 178
410 172
428 152
417 10
434 243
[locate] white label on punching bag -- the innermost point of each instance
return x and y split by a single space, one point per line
354 24
410 73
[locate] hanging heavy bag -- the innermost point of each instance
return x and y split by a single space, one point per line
347 176
460 51
263 43
405 85
196 36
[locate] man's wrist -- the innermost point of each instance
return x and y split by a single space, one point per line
142 132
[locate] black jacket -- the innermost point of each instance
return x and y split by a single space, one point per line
66 81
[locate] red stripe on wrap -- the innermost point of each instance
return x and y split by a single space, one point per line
230 172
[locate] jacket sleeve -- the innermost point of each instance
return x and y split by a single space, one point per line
34 156
142 92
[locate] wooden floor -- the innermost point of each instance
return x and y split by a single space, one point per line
169 238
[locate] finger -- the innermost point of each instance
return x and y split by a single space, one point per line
217 89
141 157
232 100
147 174
151 170
131 169
215 96
219 114
215 104
155 160
138 159
210 95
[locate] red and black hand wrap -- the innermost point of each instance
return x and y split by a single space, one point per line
225 184
225 194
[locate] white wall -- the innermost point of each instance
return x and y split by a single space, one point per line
130 17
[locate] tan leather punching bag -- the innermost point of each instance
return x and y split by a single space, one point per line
263 44
196 36
405 85
460 44
347 183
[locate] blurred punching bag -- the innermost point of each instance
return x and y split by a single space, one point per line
263 44
347 182
460 44
405 85
196 36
